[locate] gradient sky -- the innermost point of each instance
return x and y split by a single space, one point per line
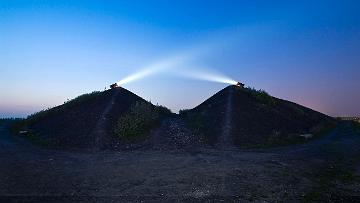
304 51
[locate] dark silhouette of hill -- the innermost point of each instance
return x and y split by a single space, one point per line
238 116
234 116
84 122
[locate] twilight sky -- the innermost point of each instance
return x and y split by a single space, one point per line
304 51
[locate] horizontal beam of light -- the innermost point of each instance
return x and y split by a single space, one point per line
204 74
154 68
169 64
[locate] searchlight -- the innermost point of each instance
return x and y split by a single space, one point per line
239 84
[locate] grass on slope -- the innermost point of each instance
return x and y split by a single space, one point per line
261 95
68 104
141 118
23 124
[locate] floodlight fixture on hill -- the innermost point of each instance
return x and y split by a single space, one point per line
239 84
115 85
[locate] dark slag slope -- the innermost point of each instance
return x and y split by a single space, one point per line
72 124
253 119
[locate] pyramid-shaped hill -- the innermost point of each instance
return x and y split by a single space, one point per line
85 122
243 116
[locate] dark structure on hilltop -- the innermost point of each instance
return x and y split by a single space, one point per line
115 85
239 84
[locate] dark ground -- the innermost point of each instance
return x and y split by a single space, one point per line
326 169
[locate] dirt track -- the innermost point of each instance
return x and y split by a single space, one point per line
283 174
226 139
99 133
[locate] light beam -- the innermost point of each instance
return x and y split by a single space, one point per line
154 68
205 75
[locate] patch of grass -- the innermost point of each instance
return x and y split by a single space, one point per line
5 120
339 169
196 123
184 111
323 128
261 95
36 140
356 126
277 140
18 125
139 120
68 104
290 139
2 120
326 178
285 172
162 110
347 176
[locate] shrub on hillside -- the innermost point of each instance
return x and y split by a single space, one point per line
197 124
139 120
184 111
163 111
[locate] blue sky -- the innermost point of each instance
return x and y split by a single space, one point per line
304 51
